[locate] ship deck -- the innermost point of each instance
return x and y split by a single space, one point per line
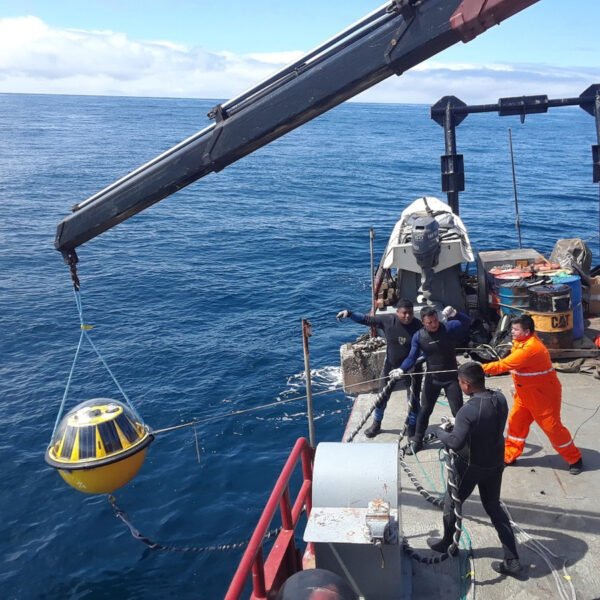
547 503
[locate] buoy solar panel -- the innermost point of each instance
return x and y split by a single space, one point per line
99 446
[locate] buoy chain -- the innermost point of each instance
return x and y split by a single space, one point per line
449 457
122 515
381 397
435 500
70 257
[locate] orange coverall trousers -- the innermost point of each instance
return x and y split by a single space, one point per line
537 398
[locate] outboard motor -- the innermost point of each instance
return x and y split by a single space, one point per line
425 240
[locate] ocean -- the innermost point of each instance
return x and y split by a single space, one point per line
197 305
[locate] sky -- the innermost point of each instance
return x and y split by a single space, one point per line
202 49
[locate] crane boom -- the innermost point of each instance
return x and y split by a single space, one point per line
390 40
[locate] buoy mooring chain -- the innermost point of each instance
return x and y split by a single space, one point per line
449 457
122 515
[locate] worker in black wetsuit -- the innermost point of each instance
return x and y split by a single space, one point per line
437 342
398 330
477 437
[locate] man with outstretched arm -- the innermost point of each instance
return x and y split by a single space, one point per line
537 395
398 330
437 342
477 438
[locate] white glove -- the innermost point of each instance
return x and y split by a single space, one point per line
449 312
343 314
447 423
396 373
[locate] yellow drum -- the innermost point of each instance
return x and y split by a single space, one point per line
99 446
552 314
554 329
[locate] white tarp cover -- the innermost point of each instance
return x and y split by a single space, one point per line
451 226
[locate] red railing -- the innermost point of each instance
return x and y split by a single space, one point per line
284 559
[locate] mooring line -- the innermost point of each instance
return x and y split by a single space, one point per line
269 405
135 533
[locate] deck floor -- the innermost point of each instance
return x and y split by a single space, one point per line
551 506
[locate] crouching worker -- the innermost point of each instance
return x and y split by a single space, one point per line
398 330
537 395
478 440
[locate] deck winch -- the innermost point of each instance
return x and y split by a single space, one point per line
99 446
354 524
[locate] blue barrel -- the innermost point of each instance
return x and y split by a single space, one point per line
514 297
574 282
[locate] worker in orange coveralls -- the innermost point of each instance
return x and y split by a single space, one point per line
537 395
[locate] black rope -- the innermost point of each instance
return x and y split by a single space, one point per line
122 515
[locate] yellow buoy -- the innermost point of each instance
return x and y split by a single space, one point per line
99 446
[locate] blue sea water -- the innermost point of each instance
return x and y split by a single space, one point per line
197 305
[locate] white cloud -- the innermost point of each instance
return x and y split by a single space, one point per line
37 58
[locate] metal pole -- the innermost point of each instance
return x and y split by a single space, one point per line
514 178
596 150
373 299
450 144
306 333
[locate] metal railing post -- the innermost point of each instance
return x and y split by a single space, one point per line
306 333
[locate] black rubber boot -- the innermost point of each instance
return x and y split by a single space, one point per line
576 468
510 567
438 544
414 447
372 431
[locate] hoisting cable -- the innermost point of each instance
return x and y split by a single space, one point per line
122 515
66 392
85 328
